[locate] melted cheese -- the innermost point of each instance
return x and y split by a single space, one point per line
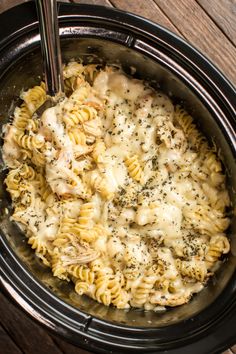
167 218
150 200
10 151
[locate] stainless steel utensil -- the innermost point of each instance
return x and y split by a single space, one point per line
51 52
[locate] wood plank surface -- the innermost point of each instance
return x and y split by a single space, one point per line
232 350
68 348
7 4
210 25
26 334
7 346
94 2
199 29
148 9
223 13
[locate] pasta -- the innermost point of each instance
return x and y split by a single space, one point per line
81 287
134 168
34 97
219 245
77 136
192 269
141 293
117 190
86 215
82 273
29 142
81 115
22 117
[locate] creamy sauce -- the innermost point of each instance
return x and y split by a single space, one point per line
126 189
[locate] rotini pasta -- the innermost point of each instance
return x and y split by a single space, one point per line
82 272
77 136
134 168
119 297
73 69
102 293
194 136
141 293
29 142
99 151
86 214
79 116
58 269
40 249
192 269
34 97
81 287
100 184
219 245
22 117
117 190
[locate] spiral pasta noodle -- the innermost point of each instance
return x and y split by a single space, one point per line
142 292
86 214
79 116
22 117
29 142
192 270
81 287
194 135
77 136
34 97
82 272
134 168
99 151
99 183
117 190
102 293
219 245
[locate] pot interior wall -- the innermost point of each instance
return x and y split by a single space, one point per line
26 71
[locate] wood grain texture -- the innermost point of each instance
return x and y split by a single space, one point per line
27 335
7 346
148 9
223 13
93 2
198 28
68 348
7 4
210 25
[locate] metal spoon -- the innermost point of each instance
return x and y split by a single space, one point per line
51 52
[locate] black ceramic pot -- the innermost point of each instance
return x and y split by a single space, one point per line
208 323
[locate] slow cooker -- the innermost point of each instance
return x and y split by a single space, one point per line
208 323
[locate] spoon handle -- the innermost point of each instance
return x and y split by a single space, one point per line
50 45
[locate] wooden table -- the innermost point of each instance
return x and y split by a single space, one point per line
210 25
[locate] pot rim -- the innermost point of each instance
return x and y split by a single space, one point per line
139 34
